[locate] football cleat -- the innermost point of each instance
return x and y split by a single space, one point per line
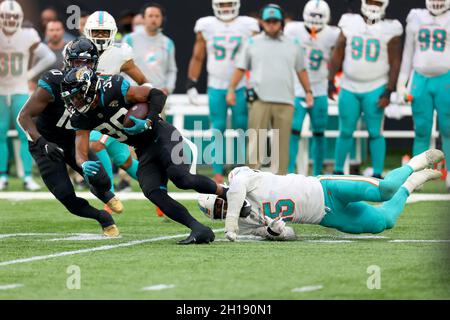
426 159
111 231
3 183
30 185
199 236
115 205
159 212
417 179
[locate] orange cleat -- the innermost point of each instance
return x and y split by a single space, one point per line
159 212
107 209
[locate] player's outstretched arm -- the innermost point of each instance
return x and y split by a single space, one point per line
395 60
337 58
132 70
195 68
45 57
34 106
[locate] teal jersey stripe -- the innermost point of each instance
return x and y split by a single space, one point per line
124 88
44 85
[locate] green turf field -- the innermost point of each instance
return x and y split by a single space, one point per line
335 265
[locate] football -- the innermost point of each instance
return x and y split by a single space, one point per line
139 111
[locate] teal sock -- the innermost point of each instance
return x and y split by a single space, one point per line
378 153
293 151
393 208
133 169
318 151
106 163
390 185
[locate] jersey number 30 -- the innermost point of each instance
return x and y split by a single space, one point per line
11 63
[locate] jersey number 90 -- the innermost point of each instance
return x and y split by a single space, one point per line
367 48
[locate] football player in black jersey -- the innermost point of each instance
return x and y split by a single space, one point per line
52 142
101 105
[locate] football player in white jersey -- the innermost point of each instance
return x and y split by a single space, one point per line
260 203
17 45
317 39
427 56
115 58
369 51
220 38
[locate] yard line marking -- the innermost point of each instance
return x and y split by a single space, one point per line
20 196
11 286
420 241
308 288
12 235
158 287
85 237
328 241
101 248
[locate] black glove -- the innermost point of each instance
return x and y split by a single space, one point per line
332 90
190 84
50 149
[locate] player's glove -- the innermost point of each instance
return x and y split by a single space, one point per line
192 92
139 126
90 168
275 227
51 150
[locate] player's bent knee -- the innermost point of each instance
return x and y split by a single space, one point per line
126 164
377 226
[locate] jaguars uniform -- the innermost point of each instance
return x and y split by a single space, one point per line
317 50
366 73
15 53
110 63
224 41
427 56
54 126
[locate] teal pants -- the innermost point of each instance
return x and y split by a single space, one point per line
351 106
347 211
431 94
218 116
9 110
115 152
319 117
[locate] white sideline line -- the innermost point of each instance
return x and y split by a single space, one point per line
20 196
308 288
158 287
11 286
101 248
420 241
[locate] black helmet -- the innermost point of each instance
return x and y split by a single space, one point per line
80 52
79 89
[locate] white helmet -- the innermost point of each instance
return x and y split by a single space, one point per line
207 203
101 20
11 16
373 12
438 7
316 14
228 13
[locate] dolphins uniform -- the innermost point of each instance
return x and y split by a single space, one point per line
318 50
292 197
366 73
224 41
14 57
112 59
427 54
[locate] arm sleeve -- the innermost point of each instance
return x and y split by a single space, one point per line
45 57
172 68
408 54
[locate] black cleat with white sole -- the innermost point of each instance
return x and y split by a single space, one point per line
199 236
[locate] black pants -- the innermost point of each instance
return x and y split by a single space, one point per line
160 159
55 176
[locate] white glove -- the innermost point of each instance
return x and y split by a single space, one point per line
278 226
402 90
231 235
393 112
193 96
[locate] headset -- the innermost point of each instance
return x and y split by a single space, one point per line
276 7
160 7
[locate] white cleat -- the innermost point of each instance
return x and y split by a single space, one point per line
3 183
30 185
417 179
426 159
